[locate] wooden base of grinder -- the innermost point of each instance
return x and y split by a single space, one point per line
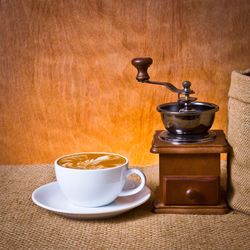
189 177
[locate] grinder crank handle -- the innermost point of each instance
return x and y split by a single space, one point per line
142 64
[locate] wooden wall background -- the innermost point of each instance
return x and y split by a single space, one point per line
67 85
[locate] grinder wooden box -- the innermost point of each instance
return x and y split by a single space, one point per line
189 176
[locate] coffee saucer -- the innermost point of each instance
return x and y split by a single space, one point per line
50 197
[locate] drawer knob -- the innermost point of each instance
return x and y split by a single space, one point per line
192 194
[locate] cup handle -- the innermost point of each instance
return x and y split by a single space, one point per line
137 189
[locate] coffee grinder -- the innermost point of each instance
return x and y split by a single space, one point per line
189 152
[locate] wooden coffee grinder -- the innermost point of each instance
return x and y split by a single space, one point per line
189 153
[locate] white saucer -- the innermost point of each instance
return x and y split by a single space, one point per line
50 197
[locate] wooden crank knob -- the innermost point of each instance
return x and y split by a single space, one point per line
142 65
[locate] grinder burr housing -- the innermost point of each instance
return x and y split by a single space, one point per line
189 152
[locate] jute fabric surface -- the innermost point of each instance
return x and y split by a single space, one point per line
24 225
239 140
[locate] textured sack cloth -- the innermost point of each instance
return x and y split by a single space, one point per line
239 140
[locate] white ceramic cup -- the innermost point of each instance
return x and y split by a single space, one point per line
95 187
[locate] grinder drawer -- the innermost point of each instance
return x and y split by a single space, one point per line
191 190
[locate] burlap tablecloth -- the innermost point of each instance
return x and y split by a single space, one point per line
26 226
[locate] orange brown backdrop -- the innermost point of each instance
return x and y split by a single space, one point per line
67 84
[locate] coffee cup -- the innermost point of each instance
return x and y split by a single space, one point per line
95 187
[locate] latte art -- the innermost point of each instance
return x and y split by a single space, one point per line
91 161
